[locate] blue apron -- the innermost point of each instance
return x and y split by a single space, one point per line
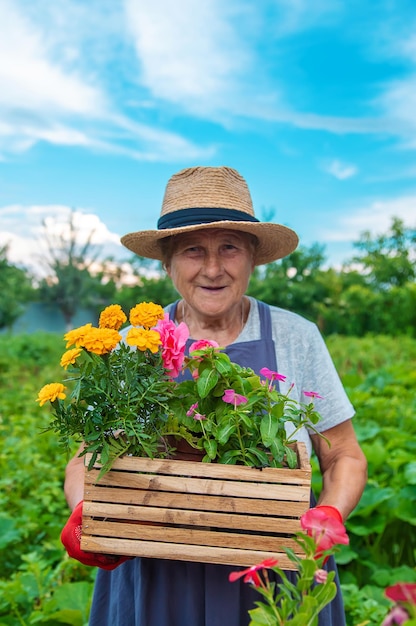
155 592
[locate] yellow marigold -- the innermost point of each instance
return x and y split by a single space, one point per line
113 317
70 356
144 339
101 340
51 392
76 337
146 314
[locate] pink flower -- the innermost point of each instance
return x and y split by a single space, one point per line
397 616
402 592
199 417
173 344
312 394
325 530
250 573
202 344
271 375
320 576
231 397
192 409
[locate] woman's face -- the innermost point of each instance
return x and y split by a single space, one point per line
211 269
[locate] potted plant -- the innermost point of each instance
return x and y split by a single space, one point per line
122 401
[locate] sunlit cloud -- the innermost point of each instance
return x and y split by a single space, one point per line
24 227
376 218
48 94
340 170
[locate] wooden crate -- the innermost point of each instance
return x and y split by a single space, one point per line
193 511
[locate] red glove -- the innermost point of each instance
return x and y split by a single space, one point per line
331 511
71 538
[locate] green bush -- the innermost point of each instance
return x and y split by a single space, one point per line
40 584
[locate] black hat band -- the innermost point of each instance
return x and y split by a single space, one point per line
203 215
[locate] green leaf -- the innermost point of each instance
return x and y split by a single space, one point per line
268 428
291 458
206 382
224 432
210 446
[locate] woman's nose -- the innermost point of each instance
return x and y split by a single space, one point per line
213 265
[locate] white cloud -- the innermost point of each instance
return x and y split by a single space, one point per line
196 56
376 218
52 92
21 228
30 80
340 170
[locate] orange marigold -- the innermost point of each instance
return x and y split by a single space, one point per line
144 339
51 392
101 340
146 314
70 356
113 317
76 336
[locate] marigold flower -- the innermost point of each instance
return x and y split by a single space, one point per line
113 317
51 392
144 339
101 340
70 356
231 397
76 336
146 314
250 573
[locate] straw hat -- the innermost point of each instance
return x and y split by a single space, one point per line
198 198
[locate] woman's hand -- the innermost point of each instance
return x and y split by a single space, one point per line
71 539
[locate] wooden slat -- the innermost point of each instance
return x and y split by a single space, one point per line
190 535
196 501
185 484
182 552
193 518
209 470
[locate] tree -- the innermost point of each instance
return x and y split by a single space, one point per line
15 290
296 282
69 261
389 259
151 284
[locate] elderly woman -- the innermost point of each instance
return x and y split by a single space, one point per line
209 241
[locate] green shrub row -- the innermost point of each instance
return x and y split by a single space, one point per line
39 584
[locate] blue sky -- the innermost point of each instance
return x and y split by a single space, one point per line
314 102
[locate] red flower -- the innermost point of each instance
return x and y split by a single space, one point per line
173 344
250 573
402 592
326 530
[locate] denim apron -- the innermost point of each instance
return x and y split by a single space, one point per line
156 592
